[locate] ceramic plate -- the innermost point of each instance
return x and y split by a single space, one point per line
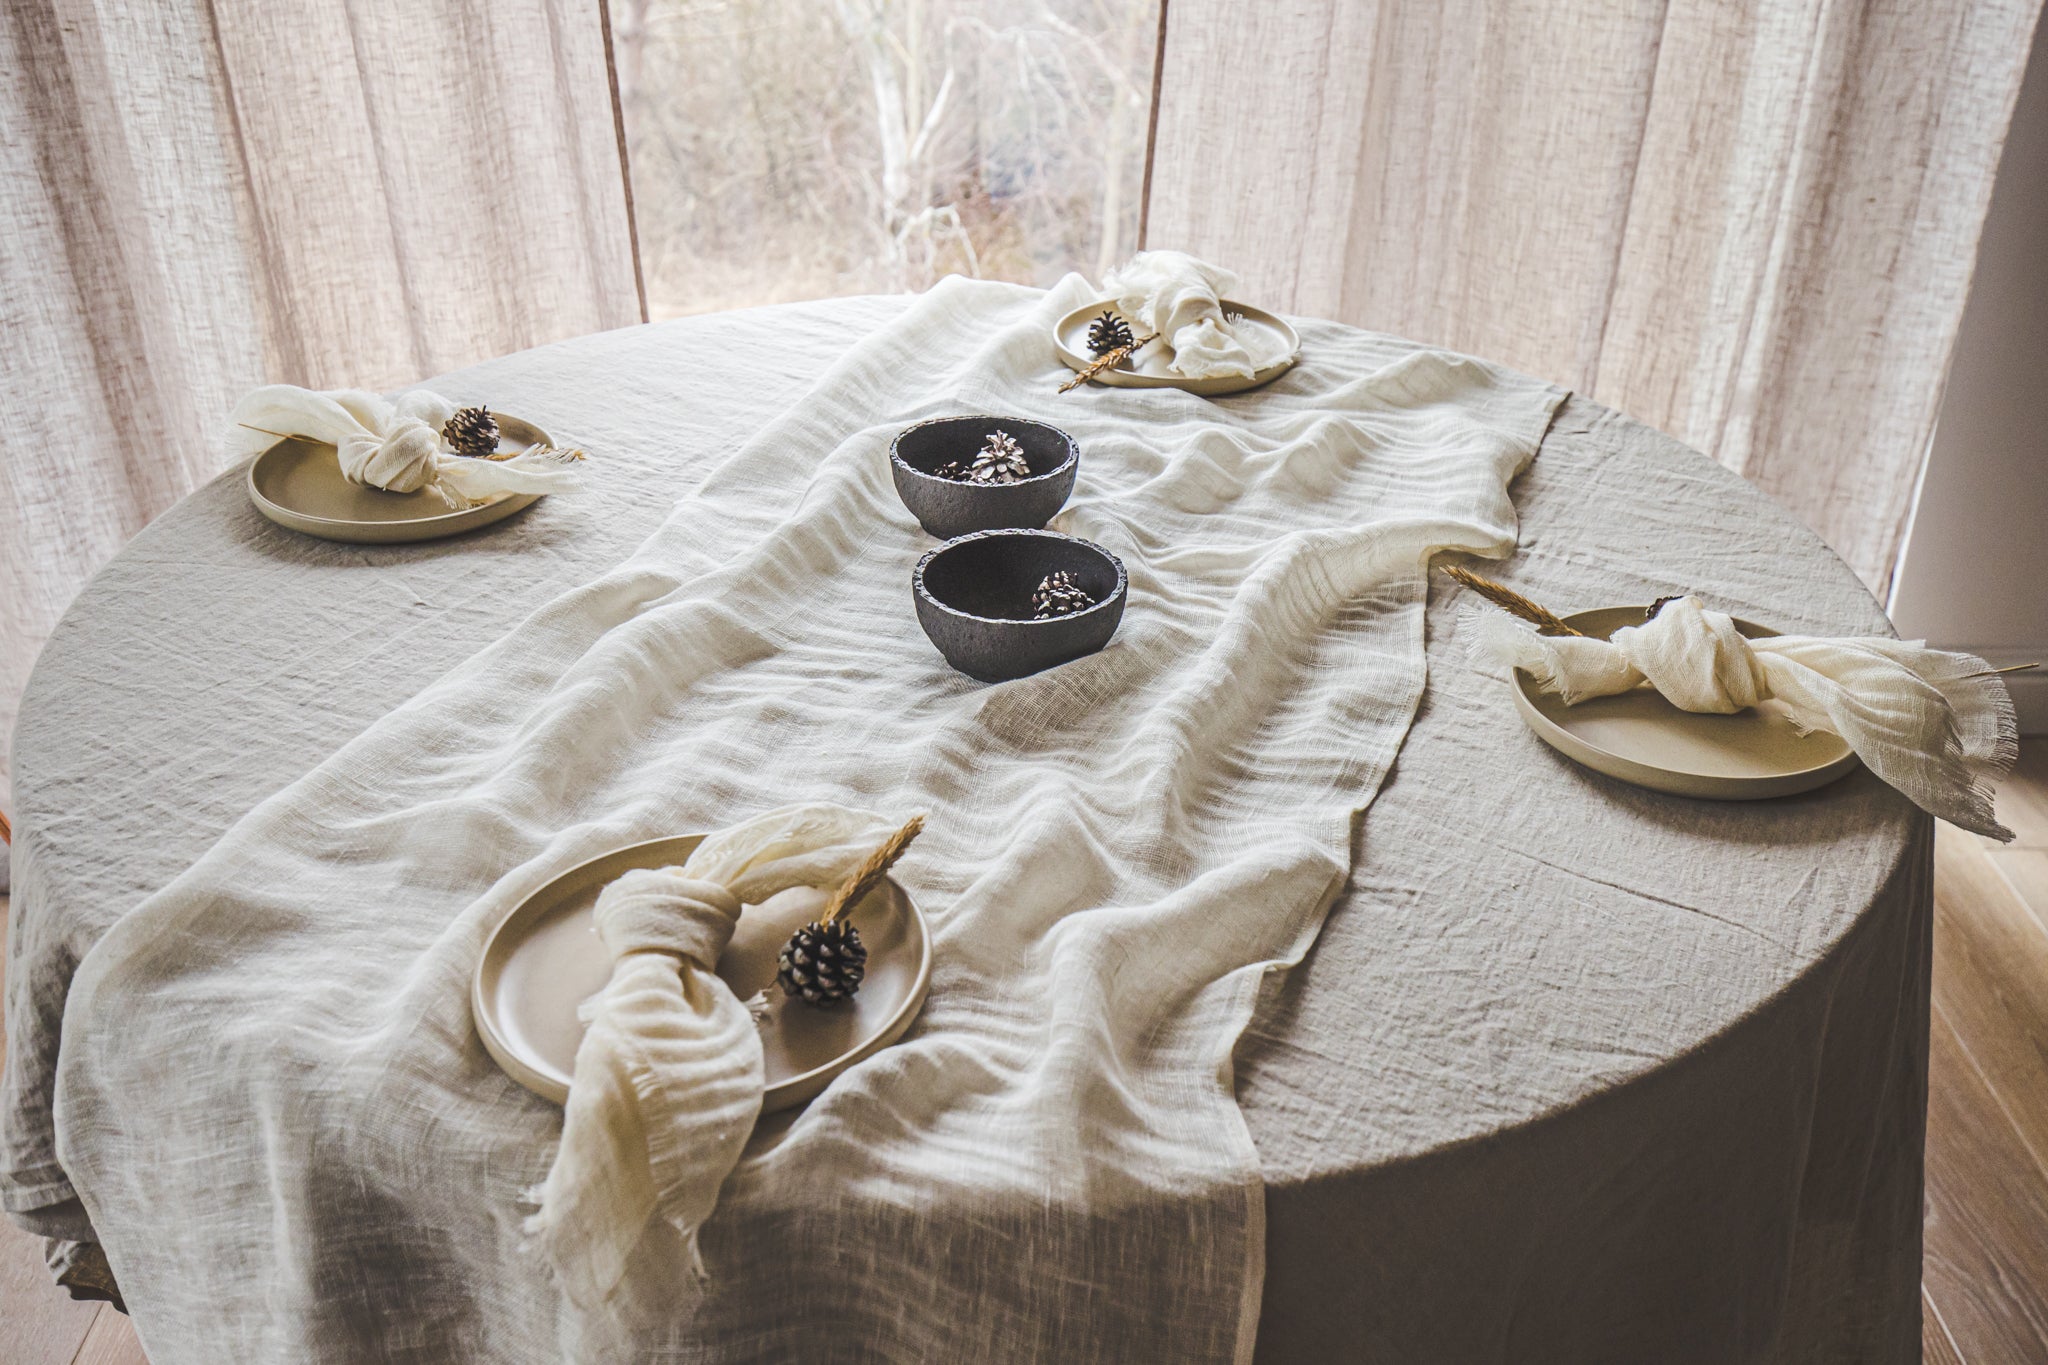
298 484
1643 739
1070 339
544 959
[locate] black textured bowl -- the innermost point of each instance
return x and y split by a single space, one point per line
974 600
948 508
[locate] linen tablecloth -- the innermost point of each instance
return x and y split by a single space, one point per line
1576 1072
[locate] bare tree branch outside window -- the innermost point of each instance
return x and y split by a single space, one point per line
794 149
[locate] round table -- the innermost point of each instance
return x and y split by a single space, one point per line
1578 1056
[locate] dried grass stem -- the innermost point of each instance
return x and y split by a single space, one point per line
872 869
1547 622
1109 360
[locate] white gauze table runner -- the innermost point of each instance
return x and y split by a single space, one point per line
274 1054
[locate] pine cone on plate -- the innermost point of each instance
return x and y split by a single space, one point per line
1000 460
1059 595
1650 614
822 963
471 431
1107 333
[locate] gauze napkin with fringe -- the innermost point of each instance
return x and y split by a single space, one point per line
393 445
1936 725
1179 297
668 1079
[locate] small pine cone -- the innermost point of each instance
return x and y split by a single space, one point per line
1107 333
822 963
1059 595
471 431
955 470
1000 460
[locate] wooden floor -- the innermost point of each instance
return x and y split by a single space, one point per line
1985 1284
1985 1277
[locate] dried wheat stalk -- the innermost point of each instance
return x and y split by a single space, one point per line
1508 600
872 869
280 435
537 448
1109 360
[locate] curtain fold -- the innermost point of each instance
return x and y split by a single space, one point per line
1749 224
206 197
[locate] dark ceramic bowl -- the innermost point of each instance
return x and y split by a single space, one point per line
974 599
948 508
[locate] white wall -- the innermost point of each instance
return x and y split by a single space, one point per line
1975 572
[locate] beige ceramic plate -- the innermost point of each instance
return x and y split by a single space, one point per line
544 959
1641 738
298 484
1070 339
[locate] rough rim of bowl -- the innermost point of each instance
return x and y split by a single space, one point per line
1116 594
1073 453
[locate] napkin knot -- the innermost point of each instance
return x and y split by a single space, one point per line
392 445
399 460
1697 659
1179 297
1937 725
658 910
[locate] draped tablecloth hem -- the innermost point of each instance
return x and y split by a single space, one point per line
35 1188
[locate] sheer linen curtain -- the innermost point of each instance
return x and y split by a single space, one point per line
1749 224
205 197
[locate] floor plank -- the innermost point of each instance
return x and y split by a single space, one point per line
2023 797
112 1341
1986 1266
1991 966
39 1323
1991 982
2026 871
1937 1347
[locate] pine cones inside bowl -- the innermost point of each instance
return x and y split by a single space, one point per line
1004 604
958 475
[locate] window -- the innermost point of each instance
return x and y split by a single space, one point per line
792 149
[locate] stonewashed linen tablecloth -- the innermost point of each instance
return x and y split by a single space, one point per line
1573 1072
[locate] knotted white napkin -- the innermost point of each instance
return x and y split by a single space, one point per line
1177 296
395 446
668 1079
1938 726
